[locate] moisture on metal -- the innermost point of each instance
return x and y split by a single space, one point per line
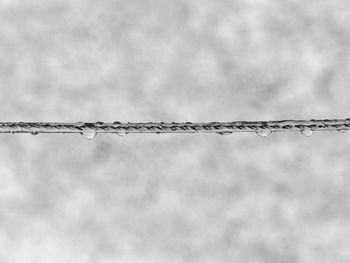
260 127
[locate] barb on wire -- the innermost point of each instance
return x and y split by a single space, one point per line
263 128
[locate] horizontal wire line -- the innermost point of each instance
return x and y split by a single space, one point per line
176 127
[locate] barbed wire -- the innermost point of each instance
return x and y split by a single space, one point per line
263 128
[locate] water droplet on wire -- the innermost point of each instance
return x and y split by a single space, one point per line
121 133
34 133
89 135
307 132
263 133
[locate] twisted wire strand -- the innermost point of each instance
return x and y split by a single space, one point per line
176 127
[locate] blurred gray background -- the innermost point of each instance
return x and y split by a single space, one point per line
174 198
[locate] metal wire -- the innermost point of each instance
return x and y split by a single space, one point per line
177 127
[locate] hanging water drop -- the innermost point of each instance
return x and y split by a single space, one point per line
121 133
307 132
34 133
89 135
263 133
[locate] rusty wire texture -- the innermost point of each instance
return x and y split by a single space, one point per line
176 127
